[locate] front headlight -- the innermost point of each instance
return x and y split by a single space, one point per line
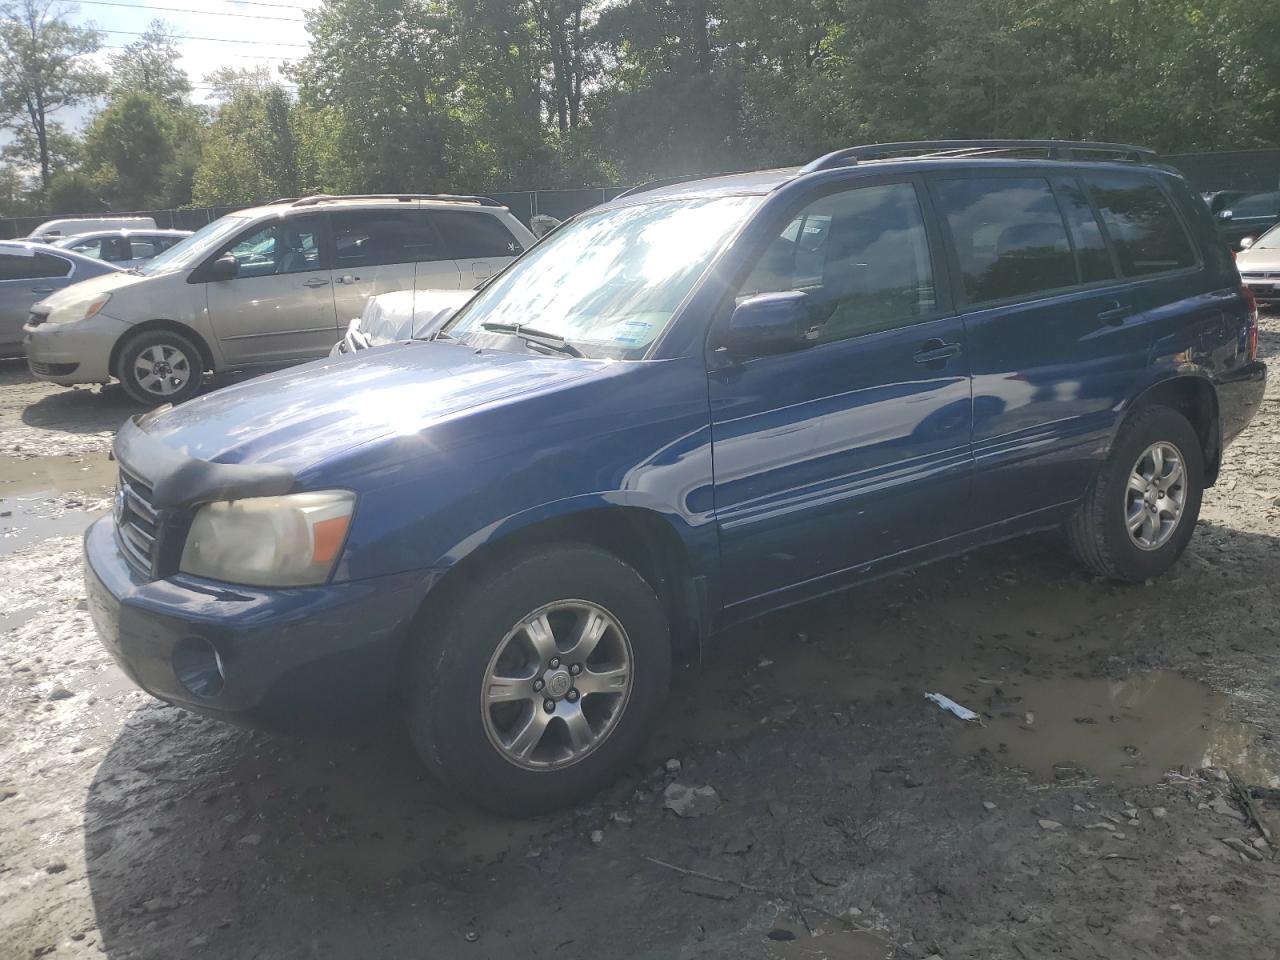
290 541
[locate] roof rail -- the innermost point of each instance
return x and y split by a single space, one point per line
401 197
653 185
918 149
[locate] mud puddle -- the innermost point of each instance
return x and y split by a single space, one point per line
1128 731
48 497
789 943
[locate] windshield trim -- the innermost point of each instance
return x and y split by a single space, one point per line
640 200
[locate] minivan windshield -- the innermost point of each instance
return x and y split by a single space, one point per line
194 248
608 283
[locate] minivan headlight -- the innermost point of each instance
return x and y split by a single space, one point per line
289 541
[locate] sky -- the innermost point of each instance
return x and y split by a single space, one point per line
214 33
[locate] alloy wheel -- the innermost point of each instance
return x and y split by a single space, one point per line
1155 496
162 370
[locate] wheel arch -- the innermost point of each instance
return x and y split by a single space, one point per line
639 536
206 352
1196 398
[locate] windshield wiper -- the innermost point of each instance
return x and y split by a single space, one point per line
539 337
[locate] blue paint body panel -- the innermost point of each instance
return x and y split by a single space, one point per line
780 478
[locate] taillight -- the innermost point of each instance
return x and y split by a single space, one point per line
1251 303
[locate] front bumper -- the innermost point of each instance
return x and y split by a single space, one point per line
69 353
1239 397
299 659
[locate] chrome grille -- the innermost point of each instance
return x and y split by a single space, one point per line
137 523
1261 275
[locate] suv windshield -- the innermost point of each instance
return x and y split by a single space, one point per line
610 282
194 248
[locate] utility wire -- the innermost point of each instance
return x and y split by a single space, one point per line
213 13
169 36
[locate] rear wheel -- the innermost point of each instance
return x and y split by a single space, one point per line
160 366
537 682
1142 507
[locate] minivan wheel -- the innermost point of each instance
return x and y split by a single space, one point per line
1142 507
534 684
160 366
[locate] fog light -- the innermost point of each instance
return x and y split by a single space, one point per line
198 667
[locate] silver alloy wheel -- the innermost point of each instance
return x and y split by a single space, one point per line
557 685
1155 496
162 369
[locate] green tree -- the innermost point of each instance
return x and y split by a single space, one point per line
150 65
45 66
142 151
71 191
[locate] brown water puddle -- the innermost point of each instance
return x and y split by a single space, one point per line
1130 731
837 945
34 498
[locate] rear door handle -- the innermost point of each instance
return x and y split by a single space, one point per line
1115 314
936 352
315 282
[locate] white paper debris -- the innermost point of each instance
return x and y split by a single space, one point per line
946 703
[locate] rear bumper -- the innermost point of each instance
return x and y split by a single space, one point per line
301 659
1239 397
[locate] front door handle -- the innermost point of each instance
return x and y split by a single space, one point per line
315 282
42 289
936 352
1115 314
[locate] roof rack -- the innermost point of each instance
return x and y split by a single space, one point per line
921 149
400 197
653 185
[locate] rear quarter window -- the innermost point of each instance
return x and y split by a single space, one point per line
1146 232
472 235
33 268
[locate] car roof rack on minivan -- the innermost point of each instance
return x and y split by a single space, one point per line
924 149
400 197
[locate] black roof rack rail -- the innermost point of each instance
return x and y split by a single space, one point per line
919 149
401 197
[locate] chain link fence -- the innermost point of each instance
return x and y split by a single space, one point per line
1252 170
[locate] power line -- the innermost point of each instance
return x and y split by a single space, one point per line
214 13
240 56
169 36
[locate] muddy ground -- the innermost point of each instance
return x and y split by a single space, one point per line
853 819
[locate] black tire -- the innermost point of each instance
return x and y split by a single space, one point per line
460 635
183 356
1097 531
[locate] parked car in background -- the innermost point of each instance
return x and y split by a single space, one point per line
1248 215
1259 264
268 286
687 407
29 272
70 226
403 315
123 247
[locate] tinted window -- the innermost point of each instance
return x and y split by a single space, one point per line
111 249
286 246
469 235
1147 234
1008 236
862 256
32 268
1091 250
366 238
145 249
1256 205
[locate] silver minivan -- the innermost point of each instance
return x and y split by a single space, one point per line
267 286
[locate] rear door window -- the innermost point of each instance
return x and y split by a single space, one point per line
369 238
1147 233
1008 236
475 235
38 267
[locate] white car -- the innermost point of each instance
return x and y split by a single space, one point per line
403 315
123 247
262 287
52 230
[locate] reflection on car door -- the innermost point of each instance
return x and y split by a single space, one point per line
25 280
279 307
857 448
380 251
479 241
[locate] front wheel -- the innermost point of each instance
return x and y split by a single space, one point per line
160 366
1142 507
535 683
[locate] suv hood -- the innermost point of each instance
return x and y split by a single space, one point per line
302 416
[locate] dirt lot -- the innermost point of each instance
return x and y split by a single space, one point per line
852 819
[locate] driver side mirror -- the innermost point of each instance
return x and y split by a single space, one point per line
1224 214
224 268
1246 243
770 323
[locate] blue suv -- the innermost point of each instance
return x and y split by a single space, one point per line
697 403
